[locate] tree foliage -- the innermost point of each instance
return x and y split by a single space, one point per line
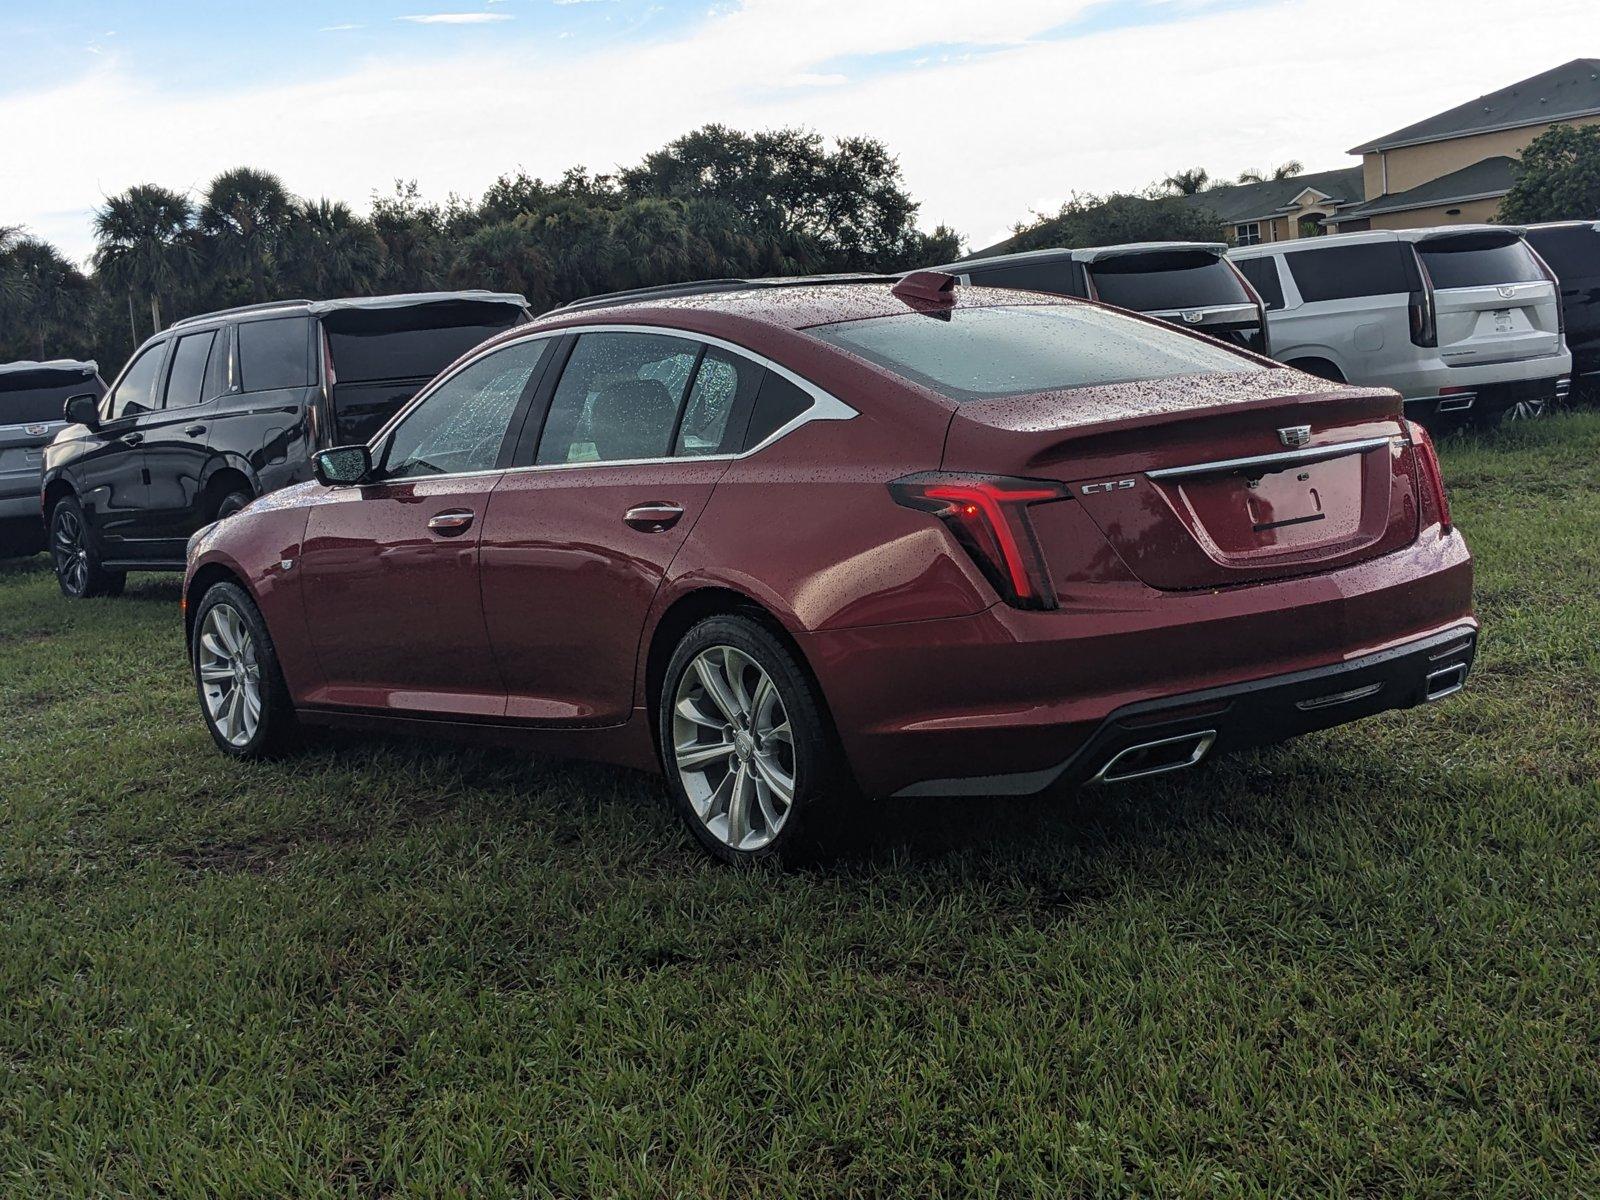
1111 220
1557 177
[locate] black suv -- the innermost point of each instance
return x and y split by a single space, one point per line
32 395
1190 284
1571 249
222 408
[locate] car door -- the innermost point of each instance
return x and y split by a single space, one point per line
175 439
633 439
260 424
389 568
110 474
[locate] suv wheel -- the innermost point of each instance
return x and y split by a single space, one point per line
80 572
236 674
747 750
232 503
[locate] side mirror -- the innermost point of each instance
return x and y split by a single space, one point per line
342 465
83 410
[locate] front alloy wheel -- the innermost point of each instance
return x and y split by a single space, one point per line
230 675
734 748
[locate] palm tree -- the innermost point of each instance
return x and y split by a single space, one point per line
245 216
329 251
1188 182
57 296
14 288
144 245
1282 171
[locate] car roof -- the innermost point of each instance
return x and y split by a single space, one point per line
1082 254
84 367
317 308
1425 234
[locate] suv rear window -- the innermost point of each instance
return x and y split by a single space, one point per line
1344 272
1573 251
1170 279
1262 272
28 399
1005 351
1479 261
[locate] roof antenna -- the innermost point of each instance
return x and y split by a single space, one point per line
930 287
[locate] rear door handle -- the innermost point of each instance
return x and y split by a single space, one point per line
653 518
451 522
132 439
194 430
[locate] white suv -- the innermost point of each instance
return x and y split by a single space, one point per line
1463 321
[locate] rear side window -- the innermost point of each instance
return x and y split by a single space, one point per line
31 399
186 379
1004 351
1344 272
1478 262
1057 276
275 354
777 403
1263 276
1151 282
1573 251
723 384
618 398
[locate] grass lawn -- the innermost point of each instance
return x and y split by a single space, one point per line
1365 963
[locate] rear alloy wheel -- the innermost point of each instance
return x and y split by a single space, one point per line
76 557
241 689
745 745
1527 410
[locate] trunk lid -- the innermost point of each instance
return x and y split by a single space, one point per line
1207 482
1492 301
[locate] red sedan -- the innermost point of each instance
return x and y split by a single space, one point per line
788 541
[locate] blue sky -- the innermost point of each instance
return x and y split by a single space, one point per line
996 108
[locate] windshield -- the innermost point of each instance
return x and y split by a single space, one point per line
1152 282
1476 262
975 353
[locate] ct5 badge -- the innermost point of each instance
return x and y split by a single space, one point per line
1115 485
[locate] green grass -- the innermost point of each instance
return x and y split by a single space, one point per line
1364 963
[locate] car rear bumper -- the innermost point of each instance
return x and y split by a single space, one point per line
19 499
1008 701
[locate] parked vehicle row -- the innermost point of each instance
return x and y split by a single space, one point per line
1466 322
225 407
33 396
790 541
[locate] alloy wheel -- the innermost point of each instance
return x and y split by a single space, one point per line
1526 410
734 748
70 550
230 675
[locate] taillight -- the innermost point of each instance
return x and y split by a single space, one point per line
1424 327
988 514
1428 460
1555 282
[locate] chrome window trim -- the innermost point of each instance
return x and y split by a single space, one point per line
825 406
1277 461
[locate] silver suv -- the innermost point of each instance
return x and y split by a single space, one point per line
32 398
1463 321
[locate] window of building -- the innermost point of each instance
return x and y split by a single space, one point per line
1248 234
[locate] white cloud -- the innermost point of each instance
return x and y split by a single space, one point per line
455 18
984 140
338 28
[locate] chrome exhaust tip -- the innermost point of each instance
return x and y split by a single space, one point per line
1156 758
1446 681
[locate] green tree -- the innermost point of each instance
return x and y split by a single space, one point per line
1112 220
1557 177
506 256
1282 171
245 217
416 254
1188 182
329 251
144 246
57 300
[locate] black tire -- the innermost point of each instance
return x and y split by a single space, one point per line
1321 368
275 729
75 553
820 780
232 503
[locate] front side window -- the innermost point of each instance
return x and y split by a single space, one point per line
186 379
463 424
135 391
275 354
618 398
1248 234
1004 351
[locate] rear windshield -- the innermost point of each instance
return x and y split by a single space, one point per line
1002 351
1053 275
410 343
1573 251
34 400
1476 262
1151 282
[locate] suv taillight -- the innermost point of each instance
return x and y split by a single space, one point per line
1555 282
988 514
1433 477
1424 328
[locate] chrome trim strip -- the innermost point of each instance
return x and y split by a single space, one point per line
825 406
1288 458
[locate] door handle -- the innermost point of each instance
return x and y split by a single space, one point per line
132 439
451 522
194 430
653 518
